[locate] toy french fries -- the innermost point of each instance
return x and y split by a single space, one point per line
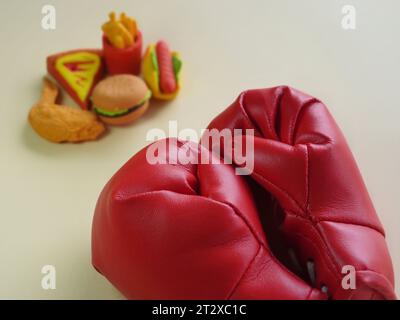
129 24
122 45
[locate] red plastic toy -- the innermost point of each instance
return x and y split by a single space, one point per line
125 60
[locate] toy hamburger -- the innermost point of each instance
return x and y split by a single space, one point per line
120 99
161 69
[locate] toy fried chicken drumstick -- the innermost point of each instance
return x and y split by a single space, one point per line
58 123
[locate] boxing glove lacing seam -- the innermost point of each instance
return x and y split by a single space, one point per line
305 211
307 215
323 253
237 284
250 123
235 212
271 256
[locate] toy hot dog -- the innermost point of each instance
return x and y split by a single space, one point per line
122 45
161 69
167 76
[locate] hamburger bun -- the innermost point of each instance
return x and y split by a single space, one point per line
120 99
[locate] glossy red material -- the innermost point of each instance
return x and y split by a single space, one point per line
302 159
123 61
172 231
197 231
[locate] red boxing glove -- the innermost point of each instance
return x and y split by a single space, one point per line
302 159
175 231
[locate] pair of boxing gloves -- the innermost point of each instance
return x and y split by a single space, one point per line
300 226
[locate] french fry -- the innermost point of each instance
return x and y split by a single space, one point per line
130 24
117 33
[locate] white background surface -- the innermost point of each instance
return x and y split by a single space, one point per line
48 191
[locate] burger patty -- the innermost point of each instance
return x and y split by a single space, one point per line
121 113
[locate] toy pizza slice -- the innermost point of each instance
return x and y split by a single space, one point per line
77 72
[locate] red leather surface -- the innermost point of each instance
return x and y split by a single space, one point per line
199 231
171 231
303 160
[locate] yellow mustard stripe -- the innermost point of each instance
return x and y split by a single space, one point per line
80 80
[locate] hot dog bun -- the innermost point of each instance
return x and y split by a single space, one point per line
161 71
